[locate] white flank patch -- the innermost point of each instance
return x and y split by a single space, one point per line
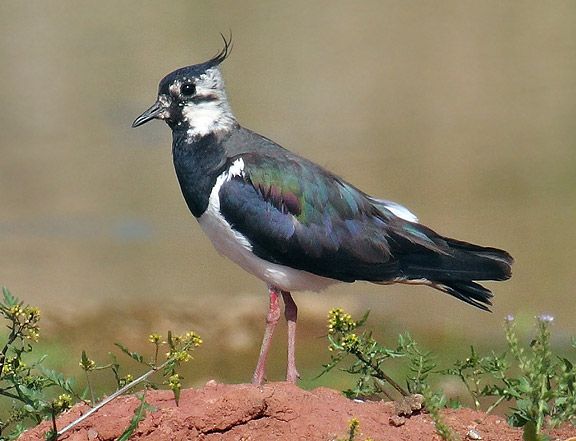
236 247
398 210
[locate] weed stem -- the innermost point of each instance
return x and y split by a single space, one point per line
111 397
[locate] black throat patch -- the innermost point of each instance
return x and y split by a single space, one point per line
197 163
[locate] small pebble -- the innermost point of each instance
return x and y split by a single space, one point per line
473 434
408 405
397 420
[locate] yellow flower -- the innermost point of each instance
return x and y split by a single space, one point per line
340 321
86 363
192 337
179 356
8 367
33 334
128 378
15 310
32 313
154 338
174 382
350 341
63 402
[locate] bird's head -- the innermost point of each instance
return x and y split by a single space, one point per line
193 99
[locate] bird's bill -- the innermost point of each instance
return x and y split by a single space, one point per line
153 112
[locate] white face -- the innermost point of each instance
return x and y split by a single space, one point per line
202 103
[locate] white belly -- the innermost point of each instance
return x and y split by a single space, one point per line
234 246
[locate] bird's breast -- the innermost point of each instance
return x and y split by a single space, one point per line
197 166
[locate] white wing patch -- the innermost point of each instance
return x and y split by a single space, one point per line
212 213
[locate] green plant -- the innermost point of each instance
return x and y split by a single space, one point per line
541 385
434 403
353 431
29 392
179 351
475 371
369 357
139 415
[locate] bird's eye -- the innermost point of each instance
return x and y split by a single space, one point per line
188 89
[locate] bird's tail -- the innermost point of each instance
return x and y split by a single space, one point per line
455 268
470 292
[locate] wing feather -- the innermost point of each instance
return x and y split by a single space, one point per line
308 219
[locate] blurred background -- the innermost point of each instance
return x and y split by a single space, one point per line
463 111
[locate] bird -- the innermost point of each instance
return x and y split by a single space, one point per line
292 223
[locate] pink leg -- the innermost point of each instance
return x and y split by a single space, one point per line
271 320
291 314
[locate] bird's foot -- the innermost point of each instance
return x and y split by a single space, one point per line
292 375
258 378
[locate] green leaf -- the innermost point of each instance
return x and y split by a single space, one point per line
134 355
515 420
524 385
363 319
9 299
18 430
84 359
58 379
139 415
177 392
530 433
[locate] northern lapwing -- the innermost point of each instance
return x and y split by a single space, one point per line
292 223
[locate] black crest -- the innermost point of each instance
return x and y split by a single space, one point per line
198 69
223 54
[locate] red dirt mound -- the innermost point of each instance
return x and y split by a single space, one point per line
276 411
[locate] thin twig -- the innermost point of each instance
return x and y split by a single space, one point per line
110 398
11 339
494 405
380 384
381 374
